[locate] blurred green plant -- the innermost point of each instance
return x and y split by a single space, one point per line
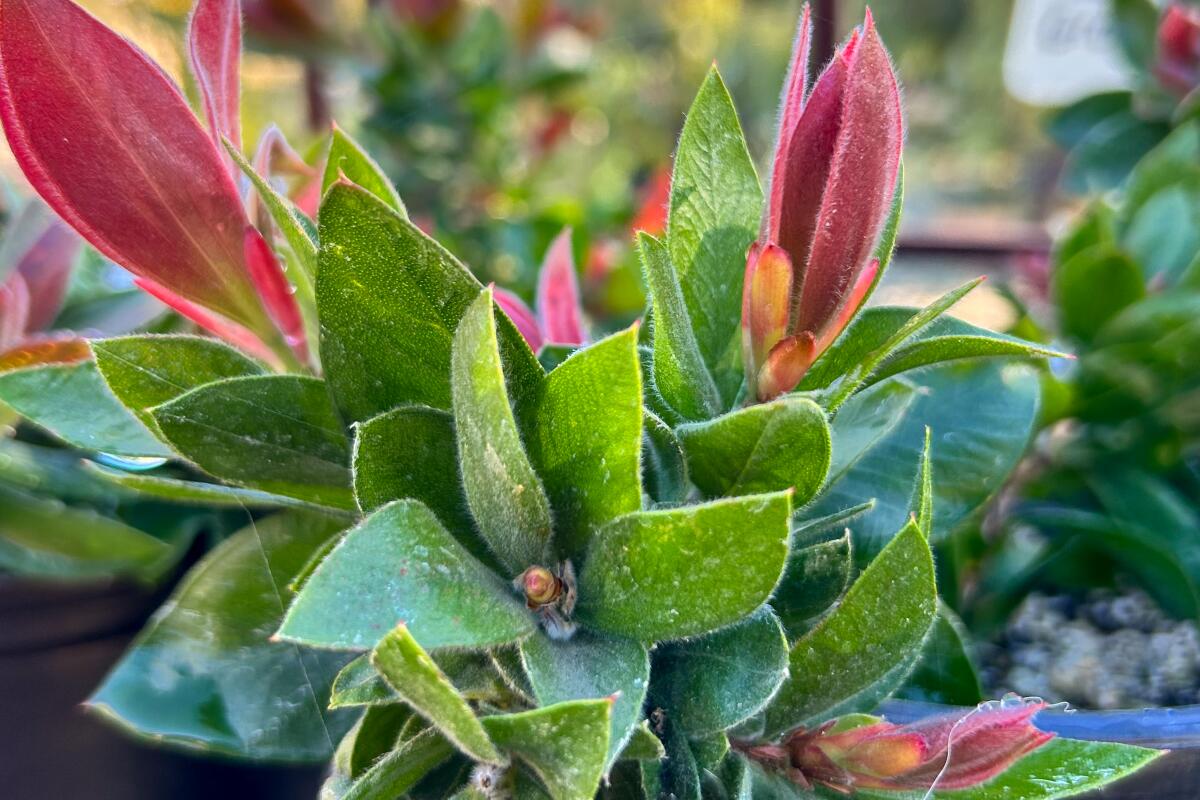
476 114
1106 134
1114 479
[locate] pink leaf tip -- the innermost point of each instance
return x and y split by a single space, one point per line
558 304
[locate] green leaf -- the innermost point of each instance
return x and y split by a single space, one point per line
859 376
1060 768
44 538
277 433
681 376
664 465
389 295
586 439
1137 23
508 663
807 528
784 444
709 751
360 684
204 674
716 205
982 414
550 356
1111 150
886 248
864 420
816 576
678 775
1164 234
1095 226
887 340
287 218
1146 507
867 332
173 490
736 778
473 674
711 683
375 734
348 159
53 471
643 745
565 744
1068 125
659 575
945 674
864 649
922 499
942 349
401 564
400 770
1083 307
410 453
410 671
73 403
590 666
148 370
505 496
1163 565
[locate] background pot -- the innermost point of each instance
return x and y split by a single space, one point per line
56 644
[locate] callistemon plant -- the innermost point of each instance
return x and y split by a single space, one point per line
489 579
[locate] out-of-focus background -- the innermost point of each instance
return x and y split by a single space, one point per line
501 120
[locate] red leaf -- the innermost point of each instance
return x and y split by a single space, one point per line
275 291
109 142
862 181
558 294
228 330
521 316
214 41
948 752
791 106
274 156
46 268
14 311
796 198
854 301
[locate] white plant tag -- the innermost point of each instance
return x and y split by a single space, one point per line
1060 51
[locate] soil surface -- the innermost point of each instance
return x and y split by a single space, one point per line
1110 650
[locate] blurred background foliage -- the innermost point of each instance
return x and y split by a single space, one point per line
503 120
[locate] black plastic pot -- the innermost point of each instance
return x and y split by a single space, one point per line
56 644
1175 776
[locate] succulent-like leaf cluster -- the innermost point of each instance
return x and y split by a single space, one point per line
618 574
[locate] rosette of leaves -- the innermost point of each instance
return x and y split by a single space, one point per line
848 436
480 576
1113 479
